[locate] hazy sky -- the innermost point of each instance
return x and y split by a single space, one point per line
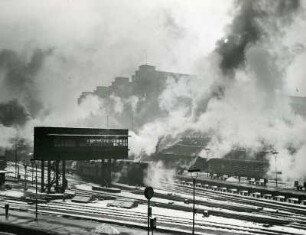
94 41
111 37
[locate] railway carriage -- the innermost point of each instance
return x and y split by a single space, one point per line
122 171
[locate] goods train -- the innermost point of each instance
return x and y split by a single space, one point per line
181 156
238 162
133 172
122 171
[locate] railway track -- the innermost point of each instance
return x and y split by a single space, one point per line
280 217
253 216
295 223
293 215
136 218
239 199
283 212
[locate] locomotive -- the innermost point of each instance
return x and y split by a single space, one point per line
181 156
122 171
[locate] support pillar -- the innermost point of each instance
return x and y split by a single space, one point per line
114 164
102 172
42 177
64 182
56 175
109 171
49 177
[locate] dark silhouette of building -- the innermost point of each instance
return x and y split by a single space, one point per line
145 85
146 82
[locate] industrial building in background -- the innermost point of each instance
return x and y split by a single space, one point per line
139 96
146 85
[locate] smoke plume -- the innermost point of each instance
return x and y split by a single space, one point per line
240 100
13 114
246 64
19 78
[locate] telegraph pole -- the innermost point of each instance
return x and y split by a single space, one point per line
194 174
36 207
275 158
25 174
275 171
132 128
33 162
16 173
193 220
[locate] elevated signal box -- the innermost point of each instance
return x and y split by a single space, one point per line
62 143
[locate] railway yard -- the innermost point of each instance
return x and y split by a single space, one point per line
219 210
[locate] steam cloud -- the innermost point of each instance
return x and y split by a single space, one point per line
12 113
246 64
46 63
246 103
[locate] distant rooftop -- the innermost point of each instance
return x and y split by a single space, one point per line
298 104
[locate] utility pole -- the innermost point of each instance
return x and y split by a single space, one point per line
275 165
34 162
36 207
25 174
32 166
193 210
207 152
194 174
275 171
16 173
132 120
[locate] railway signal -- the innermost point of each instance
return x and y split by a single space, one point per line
148 193
153 224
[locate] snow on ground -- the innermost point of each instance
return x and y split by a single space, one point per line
159 212
12 193
83 187
62 225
